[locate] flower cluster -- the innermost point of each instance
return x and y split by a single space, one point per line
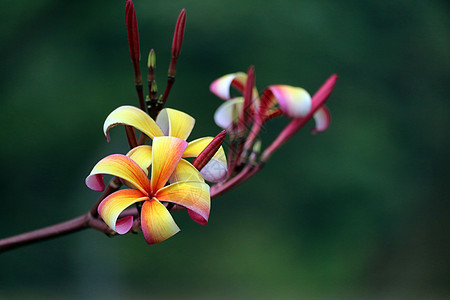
165 158
158 177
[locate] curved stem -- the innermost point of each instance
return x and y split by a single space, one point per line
245 174
76 224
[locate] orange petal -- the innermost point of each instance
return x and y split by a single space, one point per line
175 123
121 166
193 195
111 207
132 116
156 222
166 152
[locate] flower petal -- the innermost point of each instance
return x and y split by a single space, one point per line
185 171
216 169
193 195
123 225
111 207
197 217
294 101
156 222
322 118
132 116
142 155
167 152
175 123
228 112
121 166
221 86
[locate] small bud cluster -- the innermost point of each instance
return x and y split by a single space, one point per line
152 104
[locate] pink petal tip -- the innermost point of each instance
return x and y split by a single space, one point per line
95 182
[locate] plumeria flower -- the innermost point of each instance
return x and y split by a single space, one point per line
275 100
187 188
170 122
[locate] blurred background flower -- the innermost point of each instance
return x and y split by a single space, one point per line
360 210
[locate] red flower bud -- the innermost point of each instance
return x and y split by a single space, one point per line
205 156
179 33
133 39
177 41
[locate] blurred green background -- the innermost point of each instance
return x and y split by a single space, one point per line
358 211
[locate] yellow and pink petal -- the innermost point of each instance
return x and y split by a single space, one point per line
294 102
111 207
193 195
221 86
156 222
166 153
132 116
175 123
121 166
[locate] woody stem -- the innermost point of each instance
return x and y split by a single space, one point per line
46 233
